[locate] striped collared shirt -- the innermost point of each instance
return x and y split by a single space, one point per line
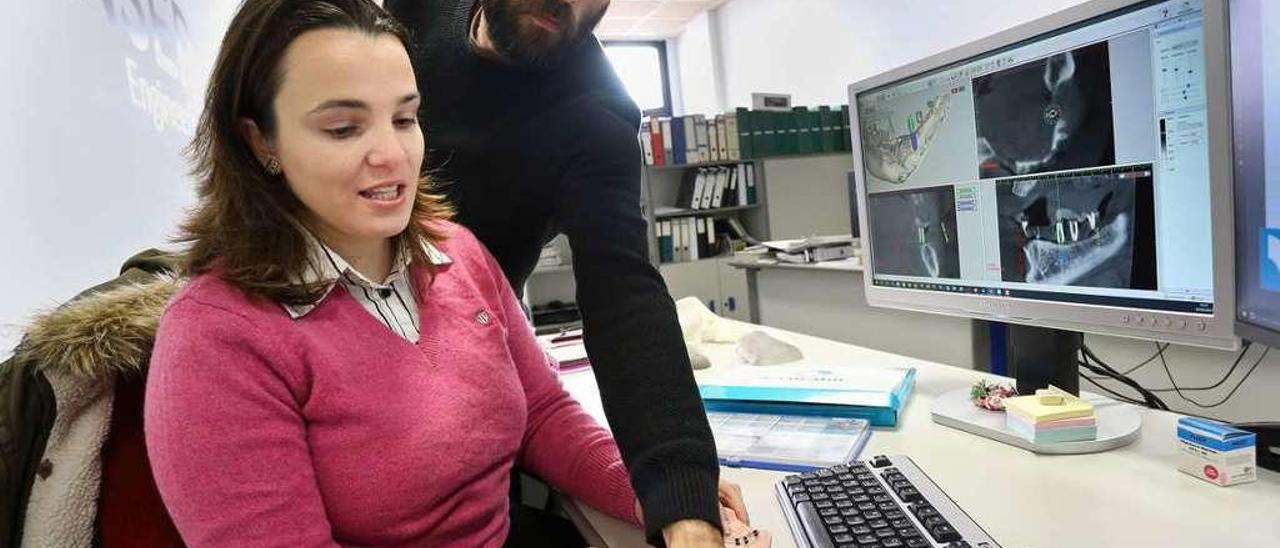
390 301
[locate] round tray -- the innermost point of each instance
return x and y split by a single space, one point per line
1118 424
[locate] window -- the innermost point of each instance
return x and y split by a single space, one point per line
642 66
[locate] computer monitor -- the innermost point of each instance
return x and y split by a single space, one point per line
1255 92
1071 173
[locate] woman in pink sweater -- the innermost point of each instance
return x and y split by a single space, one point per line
345 367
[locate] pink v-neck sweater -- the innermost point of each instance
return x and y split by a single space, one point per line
331 430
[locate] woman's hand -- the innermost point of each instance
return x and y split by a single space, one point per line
731 498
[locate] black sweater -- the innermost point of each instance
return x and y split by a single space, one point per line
528 154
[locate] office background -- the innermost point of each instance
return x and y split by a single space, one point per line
101 96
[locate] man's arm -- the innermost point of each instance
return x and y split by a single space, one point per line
632 335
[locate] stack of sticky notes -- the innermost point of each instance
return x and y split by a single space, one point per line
1052 415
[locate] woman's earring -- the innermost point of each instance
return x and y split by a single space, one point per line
273 166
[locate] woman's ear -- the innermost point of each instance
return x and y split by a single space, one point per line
257 141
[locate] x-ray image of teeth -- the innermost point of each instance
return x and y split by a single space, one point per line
1050 115
914 232
1094 230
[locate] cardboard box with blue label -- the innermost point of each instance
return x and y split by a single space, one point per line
1216 452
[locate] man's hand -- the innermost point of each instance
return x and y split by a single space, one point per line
691 533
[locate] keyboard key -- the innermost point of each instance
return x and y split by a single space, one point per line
923 511
867 540
884 533
880 461
842 504
894 514
820 504
917 542
860 530
838 529
866 506
891 543
909 531
854 521
839 469
799 497
887 506
944 533
910 495
899 523
832 520
877 524
843 538
874 514
828 512
934 521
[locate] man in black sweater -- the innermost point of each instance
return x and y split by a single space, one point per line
534 135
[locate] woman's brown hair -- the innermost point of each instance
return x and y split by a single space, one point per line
246 220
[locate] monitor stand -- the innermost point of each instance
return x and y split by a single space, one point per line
1039 357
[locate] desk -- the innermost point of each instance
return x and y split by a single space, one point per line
828 300
1130 497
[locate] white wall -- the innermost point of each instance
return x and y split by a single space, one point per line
99 99
813 48
698 67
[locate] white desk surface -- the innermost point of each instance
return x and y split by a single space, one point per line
1131 497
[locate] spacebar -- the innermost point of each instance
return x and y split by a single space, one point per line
813 527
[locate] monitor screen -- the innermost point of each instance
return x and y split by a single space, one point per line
1071 167
1255 92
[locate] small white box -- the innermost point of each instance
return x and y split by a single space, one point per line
1216 452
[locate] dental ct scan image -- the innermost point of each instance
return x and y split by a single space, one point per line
1047 115
915 232
1093 230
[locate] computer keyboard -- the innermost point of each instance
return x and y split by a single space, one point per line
885 501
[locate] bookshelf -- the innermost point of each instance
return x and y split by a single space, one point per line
666 205
805 147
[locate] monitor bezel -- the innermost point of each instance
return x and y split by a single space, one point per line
1214 331
1245 329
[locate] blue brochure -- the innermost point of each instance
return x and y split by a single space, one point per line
874 394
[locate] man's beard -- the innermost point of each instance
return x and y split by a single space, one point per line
530 45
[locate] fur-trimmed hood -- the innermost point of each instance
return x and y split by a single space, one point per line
101 333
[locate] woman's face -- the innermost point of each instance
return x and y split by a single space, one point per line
347 134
